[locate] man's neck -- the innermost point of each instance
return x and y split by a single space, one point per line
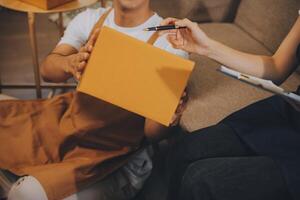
132 18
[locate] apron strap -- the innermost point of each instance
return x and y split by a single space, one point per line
153 38
102 19
100 22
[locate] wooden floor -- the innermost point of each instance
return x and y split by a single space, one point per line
15 52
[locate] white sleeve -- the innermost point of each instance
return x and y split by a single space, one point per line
74 34
78 30
177 52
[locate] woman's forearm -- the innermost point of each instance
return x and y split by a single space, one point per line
255 65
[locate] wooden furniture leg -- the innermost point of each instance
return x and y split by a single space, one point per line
61 24
36 70
0 82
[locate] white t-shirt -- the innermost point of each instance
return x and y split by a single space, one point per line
80 27
139 167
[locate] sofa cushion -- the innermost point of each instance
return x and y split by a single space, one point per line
197 10
213 95
268 21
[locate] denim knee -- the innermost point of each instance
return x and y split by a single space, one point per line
194 183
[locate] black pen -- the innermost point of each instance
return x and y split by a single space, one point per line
163 28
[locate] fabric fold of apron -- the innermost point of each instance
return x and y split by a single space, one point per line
67 142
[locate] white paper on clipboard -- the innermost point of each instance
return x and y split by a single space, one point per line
260 83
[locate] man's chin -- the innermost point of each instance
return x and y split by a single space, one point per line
129 4
128 7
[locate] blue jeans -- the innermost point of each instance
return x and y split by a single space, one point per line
214 164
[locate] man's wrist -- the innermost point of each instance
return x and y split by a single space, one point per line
67 66
65 62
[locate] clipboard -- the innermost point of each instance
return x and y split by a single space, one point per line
263 84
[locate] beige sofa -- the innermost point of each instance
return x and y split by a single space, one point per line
255 26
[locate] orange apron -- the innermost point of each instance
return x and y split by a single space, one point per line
67 142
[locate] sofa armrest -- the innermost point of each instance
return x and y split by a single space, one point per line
197 10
